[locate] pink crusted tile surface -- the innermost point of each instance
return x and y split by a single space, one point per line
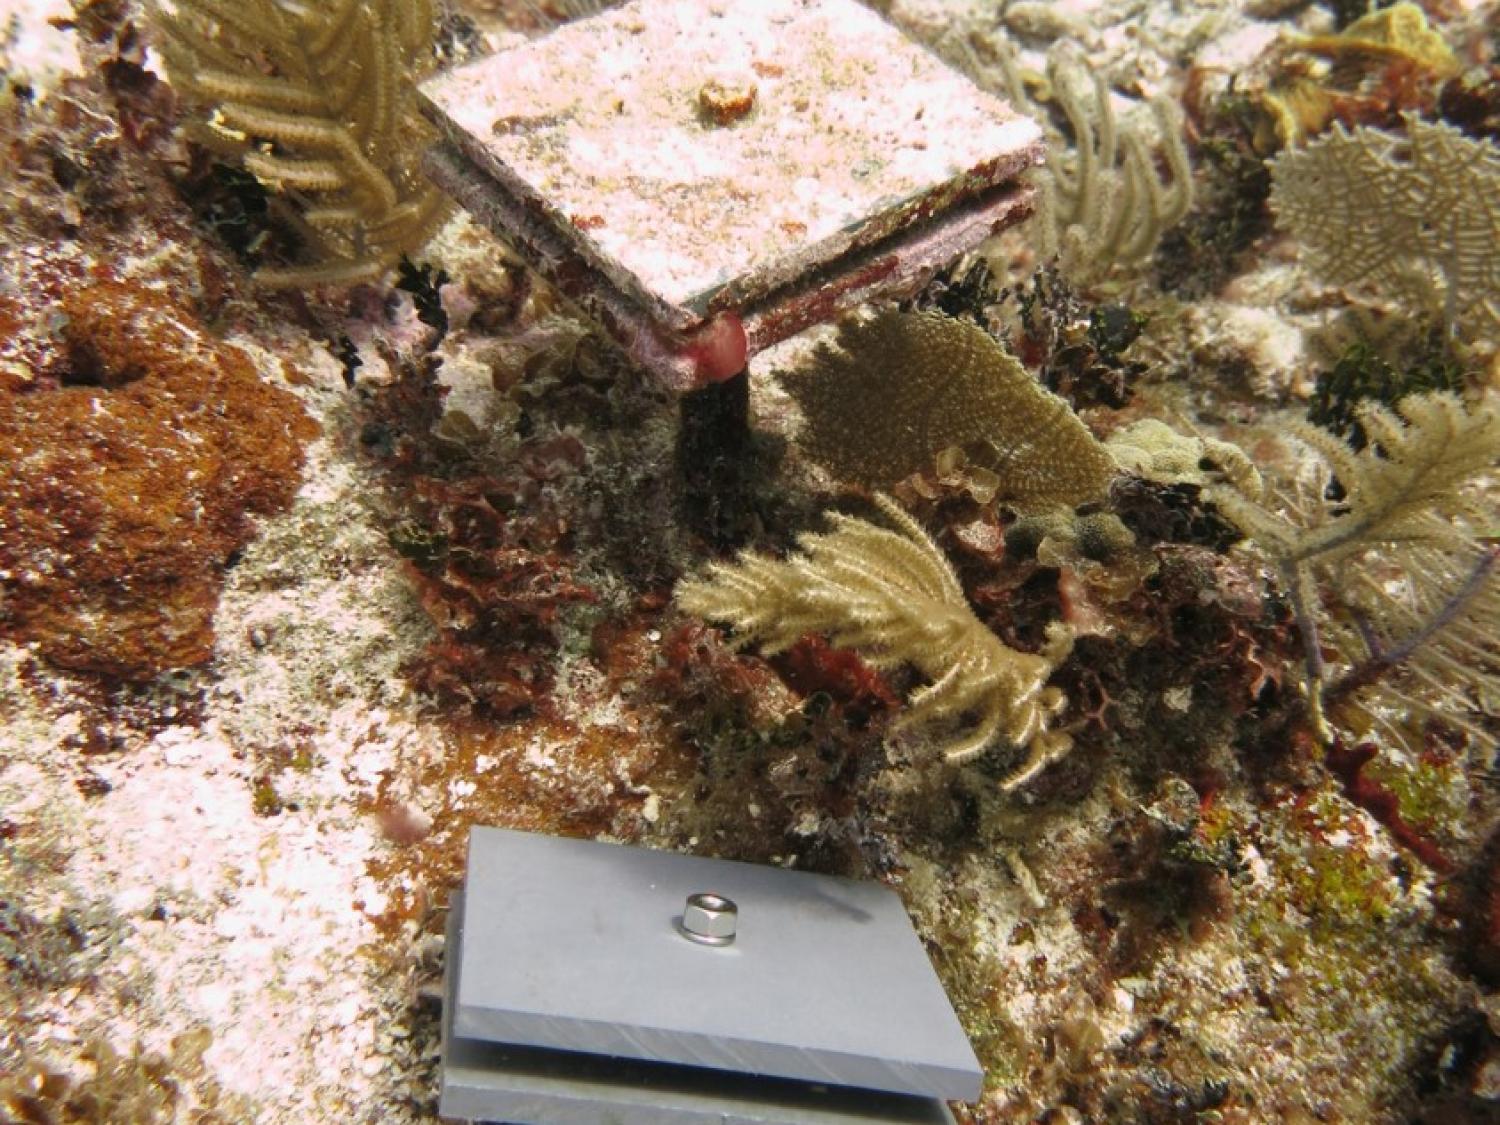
838 132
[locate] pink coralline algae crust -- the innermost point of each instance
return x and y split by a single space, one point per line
124 493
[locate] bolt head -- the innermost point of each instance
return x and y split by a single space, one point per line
709 919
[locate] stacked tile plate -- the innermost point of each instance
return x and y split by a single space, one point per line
573 995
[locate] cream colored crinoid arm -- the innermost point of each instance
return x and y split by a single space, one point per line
1398 580
894 598
317 102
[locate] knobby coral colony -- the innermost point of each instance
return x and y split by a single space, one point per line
317 103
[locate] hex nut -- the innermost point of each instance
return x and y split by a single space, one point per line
709 919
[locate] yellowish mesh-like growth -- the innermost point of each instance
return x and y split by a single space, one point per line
1417 216
901 388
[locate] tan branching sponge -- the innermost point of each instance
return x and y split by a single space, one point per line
893 597
1102 202
1401 575
316 101
900 388
1416 215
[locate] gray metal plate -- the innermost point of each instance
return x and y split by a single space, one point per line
536 1086
572 945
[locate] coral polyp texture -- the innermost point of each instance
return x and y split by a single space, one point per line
1416 216
893 597
123 494
315 101
898 389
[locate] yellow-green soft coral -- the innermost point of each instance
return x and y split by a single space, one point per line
893 597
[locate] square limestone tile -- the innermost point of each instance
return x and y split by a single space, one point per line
706 157
574 946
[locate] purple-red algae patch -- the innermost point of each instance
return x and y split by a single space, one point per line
493 577
126 491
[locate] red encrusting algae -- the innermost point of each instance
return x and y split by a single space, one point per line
126 491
